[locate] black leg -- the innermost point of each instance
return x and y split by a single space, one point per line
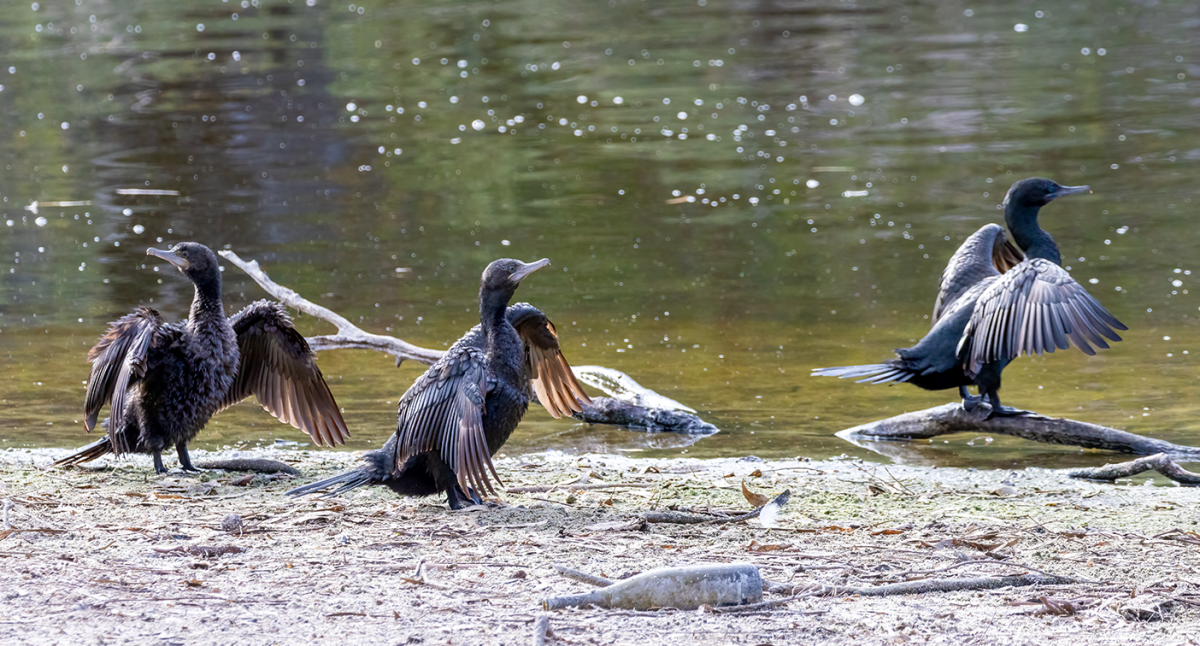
158 465
469 495
1003 411
969 402
185 460
452 498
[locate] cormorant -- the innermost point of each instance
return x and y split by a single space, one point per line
463 409
165 380
995 304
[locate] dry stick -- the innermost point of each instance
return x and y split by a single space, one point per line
680 518
583 577
579 487
541 630
349 335
1159 462
940 585
951 418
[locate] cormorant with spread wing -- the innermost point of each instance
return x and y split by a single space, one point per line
996 304
163 381
463 409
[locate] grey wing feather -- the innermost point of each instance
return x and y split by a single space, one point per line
280 370
119 360
1034 308
986 253
443 411
550 375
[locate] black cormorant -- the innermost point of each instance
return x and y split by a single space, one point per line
463 409
996 304
163 381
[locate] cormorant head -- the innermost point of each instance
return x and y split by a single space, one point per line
505 274
1038 191
195 260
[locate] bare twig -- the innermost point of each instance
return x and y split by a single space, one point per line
680 518
349 335
951 418
1159 462
579 487
583 577
940 585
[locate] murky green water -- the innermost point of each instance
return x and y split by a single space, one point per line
731 194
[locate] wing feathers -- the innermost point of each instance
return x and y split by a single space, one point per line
280 370
1035 308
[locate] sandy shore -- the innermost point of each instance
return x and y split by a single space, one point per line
116 554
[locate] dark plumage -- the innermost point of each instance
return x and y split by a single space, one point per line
163 381
996 304
463 409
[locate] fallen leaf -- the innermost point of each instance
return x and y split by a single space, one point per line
757 473
755 499
195 583
755 546
244 480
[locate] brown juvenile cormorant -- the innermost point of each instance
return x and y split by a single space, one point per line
996 304
164 380
463 409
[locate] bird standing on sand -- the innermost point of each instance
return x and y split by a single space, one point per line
996 304
163 381
463 409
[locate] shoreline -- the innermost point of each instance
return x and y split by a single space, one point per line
114 564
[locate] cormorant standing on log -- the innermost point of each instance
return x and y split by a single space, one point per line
996 304
463 409
163 381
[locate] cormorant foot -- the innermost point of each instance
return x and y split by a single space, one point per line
1008 411
971 402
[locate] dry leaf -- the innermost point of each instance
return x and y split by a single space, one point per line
755 546
757 473
755 499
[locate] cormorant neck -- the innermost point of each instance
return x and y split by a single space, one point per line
492 306
206 304
1022 222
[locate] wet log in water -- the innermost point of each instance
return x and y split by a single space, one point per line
951 418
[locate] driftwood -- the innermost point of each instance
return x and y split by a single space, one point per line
951 418
541 630
933 585
258 465
656 415
1159 462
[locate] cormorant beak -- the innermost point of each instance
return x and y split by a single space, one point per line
526 269
1070 190
169 256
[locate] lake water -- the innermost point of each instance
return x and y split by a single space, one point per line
732 193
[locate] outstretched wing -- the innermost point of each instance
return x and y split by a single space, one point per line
987 252
549 373
1036 307
443 411
280 370
118 361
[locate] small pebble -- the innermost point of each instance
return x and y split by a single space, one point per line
231 524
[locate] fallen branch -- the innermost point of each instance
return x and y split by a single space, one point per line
951 418
349 335
680 518
937 585
584 577
580 487
1159 462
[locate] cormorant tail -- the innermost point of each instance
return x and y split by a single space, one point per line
345 481
88 453
878 373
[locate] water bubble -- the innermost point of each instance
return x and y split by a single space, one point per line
237 56
682 115
40 221
66 126
505 242
1085 51
1020 27
618 100
125 212
812 183
137 228
581 99
200 27
351 107
856 99
1177 283
454 99
462 65
666 102
422 104
477 124
1122 230
754 201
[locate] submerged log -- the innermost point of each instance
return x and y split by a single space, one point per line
951 418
